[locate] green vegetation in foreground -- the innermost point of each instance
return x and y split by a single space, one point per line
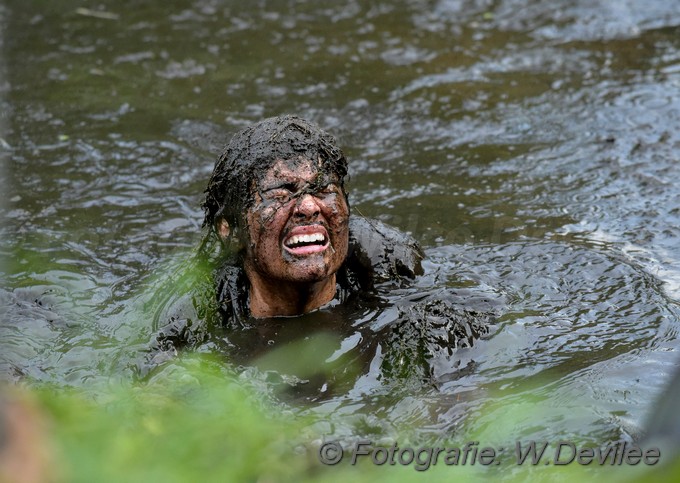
196 419
198 425
192 424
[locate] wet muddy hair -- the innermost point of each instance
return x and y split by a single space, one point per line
252 152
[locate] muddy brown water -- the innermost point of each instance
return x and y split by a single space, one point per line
531 147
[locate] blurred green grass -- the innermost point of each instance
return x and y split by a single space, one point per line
198 420
197 424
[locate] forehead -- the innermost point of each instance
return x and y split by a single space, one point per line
297 169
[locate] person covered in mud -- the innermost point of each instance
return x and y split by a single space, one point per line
283 242
279 231
277 202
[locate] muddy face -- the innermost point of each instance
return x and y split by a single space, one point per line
248 158
298 225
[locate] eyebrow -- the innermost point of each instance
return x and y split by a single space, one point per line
281 184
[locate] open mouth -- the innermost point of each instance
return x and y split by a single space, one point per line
304 240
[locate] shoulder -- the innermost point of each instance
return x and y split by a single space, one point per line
380 253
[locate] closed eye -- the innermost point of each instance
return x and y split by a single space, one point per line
290 187
282 193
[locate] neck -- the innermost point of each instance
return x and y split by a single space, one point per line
272 298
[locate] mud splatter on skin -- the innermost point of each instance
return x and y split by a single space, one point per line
321 187
293 194
252 152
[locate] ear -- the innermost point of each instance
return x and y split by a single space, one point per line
223 229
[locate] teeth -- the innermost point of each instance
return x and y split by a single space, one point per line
314 237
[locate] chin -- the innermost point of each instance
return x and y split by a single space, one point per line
309 275
309 271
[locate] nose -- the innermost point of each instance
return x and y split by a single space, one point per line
307 207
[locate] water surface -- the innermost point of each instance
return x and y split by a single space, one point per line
531 149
